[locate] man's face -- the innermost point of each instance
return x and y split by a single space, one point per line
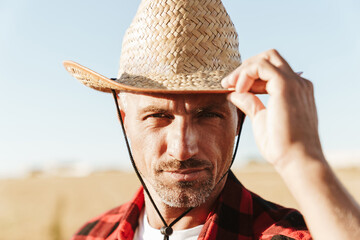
182 144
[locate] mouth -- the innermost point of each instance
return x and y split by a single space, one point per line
186 174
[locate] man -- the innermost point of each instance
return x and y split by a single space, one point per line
182 97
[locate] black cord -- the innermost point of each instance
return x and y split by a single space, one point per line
167 229
132 159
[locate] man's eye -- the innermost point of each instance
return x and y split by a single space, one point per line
210 115
158 115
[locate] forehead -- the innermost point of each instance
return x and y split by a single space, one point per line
184 102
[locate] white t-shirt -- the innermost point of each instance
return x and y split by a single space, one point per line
145 232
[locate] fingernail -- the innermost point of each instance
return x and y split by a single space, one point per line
224 82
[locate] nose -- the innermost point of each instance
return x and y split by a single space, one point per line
182 140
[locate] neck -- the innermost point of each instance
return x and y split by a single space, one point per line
195 217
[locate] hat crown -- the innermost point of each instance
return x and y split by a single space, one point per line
168 38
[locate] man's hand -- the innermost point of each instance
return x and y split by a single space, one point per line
288 125
287 134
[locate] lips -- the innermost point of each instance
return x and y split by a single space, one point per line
191 169
186 174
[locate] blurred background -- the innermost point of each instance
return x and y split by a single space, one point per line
62 157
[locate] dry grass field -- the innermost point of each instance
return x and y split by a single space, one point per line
52 208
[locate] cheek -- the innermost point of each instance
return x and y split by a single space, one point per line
216 145
146 147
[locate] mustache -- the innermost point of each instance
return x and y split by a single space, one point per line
175 164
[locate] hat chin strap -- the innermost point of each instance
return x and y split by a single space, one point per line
167 230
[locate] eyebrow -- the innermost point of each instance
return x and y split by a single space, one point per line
153 108
157 109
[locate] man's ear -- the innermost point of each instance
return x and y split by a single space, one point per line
121 106
241 119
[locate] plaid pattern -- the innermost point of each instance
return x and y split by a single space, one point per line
238 214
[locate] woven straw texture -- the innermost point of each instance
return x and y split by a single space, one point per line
173 45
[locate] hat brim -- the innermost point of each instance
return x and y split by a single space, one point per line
101 83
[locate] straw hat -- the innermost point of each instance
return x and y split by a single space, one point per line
172 46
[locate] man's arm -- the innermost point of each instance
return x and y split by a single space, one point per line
286 132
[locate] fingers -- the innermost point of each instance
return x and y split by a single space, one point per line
258 74
244 77
247 103
276 59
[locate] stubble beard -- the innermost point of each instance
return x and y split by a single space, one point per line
183 194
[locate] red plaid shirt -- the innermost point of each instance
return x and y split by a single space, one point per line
238 214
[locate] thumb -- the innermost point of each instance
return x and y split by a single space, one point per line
246 102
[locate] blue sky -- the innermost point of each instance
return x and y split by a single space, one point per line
47 116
